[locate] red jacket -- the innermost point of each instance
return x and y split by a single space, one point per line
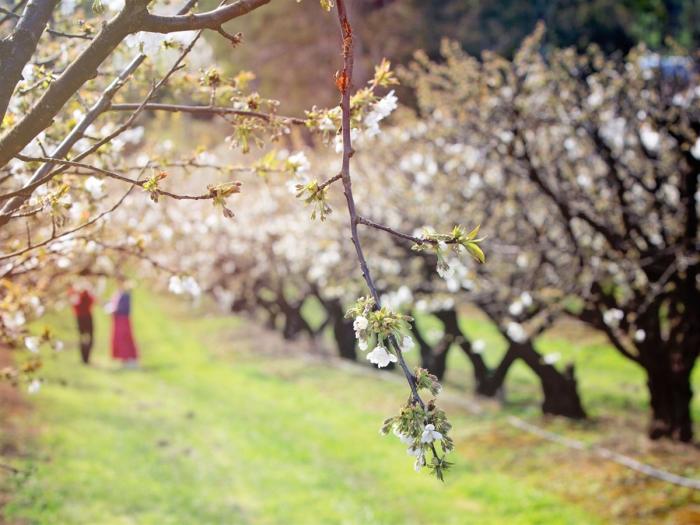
82 303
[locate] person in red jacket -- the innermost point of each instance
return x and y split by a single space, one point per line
82 301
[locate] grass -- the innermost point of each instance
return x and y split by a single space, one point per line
223 426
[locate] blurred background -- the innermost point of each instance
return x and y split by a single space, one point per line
568 130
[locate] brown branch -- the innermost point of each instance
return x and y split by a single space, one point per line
17 49
207 110
114 175
210 20
132 253
133 18
55 236
12 13
82 69
344 83
43 174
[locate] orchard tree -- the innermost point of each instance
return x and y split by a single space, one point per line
520 290
614 147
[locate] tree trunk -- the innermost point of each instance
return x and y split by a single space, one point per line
294 322
440 352
670 394
451 326
492 383
426 351
559 390
344 337
343 332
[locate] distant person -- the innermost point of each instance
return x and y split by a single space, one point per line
123 345
82 301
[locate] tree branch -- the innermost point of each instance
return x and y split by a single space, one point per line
18 48
207 110
210 20
344 83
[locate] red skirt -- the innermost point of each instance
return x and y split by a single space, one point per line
123 346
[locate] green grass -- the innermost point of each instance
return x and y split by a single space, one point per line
212 431
224 425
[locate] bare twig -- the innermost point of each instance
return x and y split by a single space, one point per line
344 83
207 110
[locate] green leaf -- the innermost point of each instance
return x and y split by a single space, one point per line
472 234
476 252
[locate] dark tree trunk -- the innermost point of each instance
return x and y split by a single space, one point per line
559 390
493 382
426 351
451 326
344 337
343 332
442 349
670 394
294 322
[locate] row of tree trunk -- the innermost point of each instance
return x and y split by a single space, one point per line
668 383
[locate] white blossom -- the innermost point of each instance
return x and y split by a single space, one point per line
95 187
407 344
420 462
299 162
381 357
179 285
515 308
28 72
148 43
14 320
650 138
34 386
363 344
430 434
521 261
386 104
613 317
479 346
406 440
516 332
32 343
584 180
360 323
640 335
695 150
550 359
417 451
326 124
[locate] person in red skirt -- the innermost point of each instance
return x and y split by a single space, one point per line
82 301
123 345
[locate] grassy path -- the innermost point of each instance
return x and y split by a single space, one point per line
199 437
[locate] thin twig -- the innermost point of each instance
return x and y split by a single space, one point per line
207 110
344 83
55 236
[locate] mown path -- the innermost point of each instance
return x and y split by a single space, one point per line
215 431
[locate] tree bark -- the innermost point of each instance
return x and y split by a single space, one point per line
17 49
450 324
560 393
670 394
343 331
426 351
